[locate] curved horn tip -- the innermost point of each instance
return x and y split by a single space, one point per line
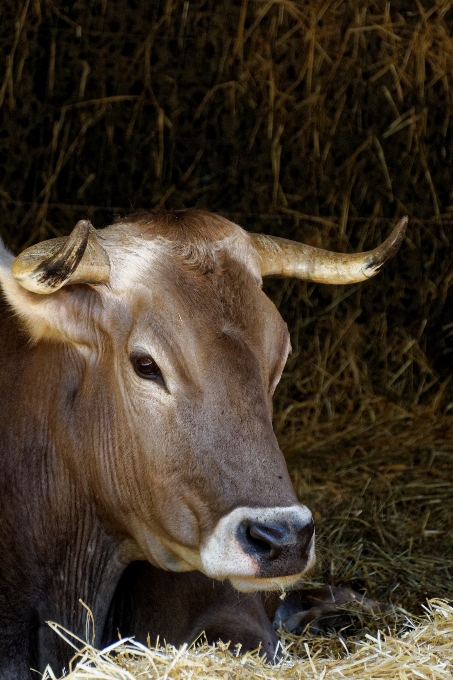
280 257
48 266
388 249
81 231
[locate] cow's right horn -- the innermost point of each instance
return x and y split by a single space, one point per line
78 258
281 257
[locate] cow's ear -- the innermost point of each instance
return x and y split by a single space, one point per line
50 285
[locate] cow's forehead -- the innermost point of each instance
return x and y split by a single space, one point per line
194 241
201 270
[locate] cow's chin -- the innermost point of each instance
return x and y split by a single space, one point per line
251 585
162 552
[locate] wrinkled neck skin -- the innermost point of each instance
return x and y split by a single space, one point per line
54 547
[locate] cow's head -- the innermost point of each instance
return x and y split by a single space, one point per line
174 352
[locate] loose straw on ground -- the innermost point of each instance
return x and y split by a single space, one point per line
424 650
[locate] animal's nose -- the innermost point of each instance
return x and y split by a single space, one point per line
279 547
269 540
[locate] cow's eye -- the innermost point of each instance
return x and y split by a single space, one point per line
145 367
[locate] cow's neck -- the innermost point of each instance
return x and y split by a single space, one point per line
55 550
83 573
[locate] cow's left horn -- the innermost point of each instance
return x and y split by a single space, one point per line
280 257
78 258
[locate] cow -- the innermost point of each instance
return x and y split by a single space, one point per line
138 367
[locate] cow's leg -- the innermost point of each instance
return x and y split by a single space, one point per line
177 607
321 608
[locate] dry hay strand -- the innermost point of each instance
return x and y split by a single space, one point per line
355 375
423 649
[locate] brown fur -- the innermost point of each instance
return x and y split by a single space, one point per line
98 467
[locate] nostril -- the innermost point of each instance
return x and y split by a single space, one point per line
260 545
266 540
273 534
271 542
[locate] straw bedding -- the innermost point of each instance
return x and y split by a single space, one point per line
423 650
322 121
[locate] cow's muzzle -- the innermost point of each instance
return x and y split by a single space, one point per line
280 548
260 548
